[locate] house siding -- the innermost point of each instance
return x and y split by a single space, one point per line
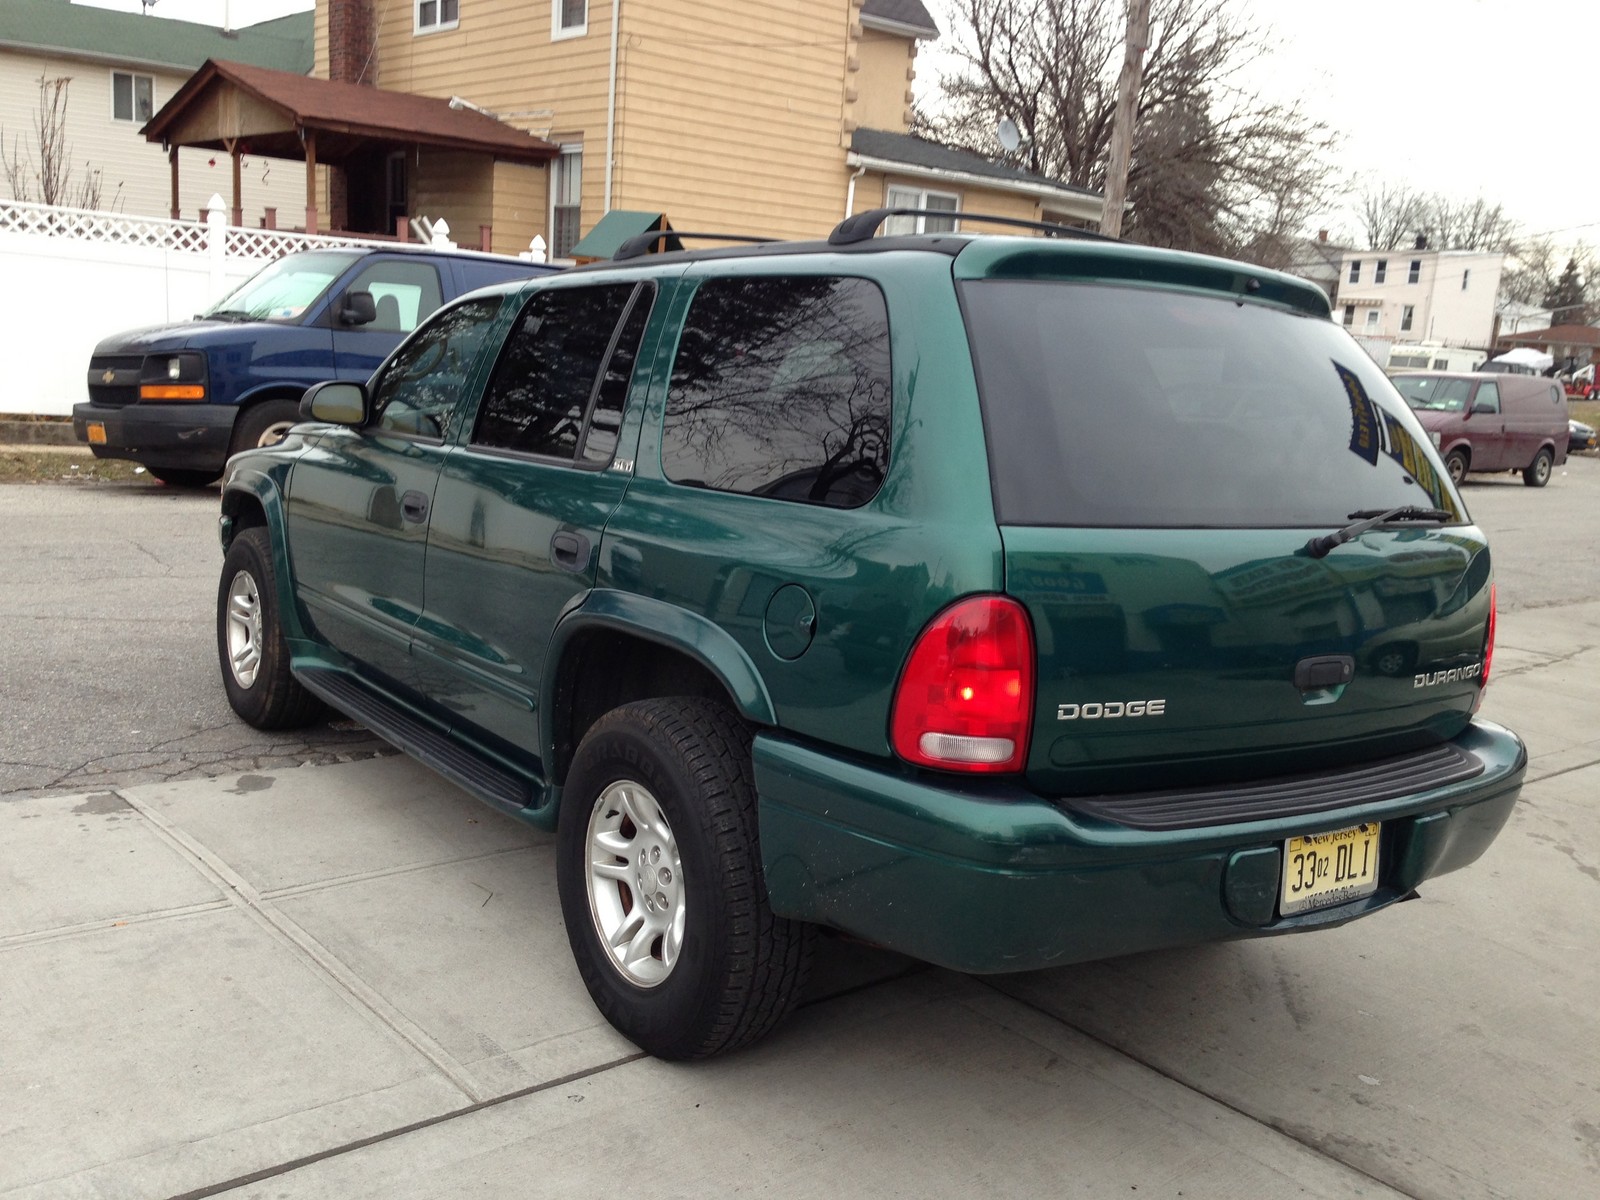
883 82
134 174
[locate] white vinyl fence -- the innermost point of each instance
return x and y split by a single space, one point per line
69 278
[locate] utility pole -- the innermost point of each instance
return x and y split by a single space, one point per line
1138 41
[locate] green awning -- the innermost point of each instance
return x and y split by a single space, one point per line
616 227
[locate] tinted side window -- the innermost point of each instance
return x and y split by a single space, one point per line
405 293
422 383
1488 394
539 396
605 418
781 388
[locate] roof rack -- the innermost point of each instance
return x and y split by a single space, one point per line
862 226
640 244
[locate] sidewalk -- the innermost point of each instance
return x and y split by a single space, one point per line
353 981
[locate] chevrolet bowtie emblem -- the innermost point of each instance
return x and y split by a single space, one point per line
109 377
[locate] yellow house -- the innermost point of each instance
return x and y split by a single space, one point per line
772 117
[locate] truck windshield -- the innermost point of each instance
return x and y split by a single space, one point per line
1118 406
283 290
1429 393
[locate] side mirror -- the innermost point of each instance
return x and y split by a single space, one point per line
336 401
1485 408
358 308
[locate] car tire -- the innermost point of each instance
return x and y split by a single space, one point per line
250 645
263 424
182 477
1537 473
657 856
1456 464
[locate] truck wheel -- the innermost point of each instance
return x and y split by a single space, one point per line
250 647
263 424
1456 463
1537 473
181 477
659 873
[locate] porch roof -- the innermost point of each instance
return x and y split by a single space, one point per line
227 103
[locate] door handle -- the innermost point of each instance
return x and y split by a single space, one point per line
414 506
570 551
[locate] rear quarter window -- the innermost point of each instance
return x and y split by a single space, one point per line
781 388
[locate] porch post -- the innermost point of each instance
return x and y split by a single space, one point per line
238 204
172 160
311 181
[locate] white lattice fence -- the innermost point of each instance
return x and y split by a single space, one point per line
121 229
82 225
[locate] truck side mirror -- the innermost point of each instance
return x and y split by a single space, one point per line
337 401
358 308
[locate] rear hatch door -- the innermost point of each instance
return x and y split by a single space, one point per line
1164 451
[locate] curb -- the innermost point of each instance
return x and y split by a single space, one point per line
36 432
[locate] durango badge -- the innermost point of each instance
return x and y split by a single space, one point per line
1457 675
1111 709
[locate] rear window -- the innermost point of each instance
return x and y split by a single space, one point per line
1132 407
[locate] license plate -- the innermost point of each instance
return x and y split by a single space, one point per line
1329 868
97 433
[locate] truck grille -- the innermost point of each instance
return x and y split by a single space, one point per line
114 379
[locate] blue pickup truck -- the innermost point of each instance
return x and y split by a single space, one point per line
181 398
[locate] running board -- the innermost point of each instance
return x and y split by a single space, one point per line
422 740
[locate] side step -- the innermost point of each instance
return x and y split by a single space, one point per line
423 741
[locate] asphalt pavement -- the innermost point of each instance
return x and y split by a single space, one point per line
258 968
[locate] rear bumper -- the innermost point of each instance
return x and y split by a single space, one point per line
194 436
992 879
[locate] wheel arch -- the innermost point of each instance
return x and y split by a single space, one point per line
253 499
619 647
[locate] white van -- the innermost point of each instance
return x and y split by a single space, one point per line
1429 356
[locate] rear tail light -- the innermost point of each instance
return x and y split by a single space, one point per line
1488 651
965 700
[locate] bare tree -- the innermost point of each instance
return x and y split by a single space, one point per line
1214 165
1390 216
1532 272
44 172
1467 225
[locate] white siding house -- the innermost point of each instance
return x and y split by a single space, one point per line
122 68
1438 296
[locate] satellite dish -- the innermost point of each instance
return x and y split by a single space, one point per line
1008 133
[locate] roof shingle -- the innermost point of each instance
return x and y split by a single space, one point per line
77 30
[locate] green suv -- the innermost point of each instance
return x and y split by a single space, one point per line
1006 601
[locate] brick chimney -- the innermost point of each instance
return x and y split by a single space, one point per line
350 42
352 58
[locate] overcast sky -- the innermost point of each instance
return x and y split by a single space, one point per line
1466 97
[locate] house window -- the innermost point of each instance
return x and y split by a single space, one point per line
1349 314
905 197
437 14
568 18
1372 319
1381 271
132 97
1416 271
1355 270
1406 314
566 200
1465 275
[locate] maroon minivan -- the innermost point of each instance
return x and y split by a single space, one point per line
1491 422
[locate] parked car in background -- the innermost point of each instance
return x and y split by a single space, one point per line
1007 602
181 398
1491 421
1580 437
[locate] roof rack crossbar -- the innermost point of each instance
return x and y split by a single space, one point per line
640 244
862 226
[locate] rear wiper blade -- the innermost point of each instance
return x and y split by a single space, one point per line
1370 518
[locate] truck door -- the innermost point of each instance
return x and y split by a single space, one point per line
405 292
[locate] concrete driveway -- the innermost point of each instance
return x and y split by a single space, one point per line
351 980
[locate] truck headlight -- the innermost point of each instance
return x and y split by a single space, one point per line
180 376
